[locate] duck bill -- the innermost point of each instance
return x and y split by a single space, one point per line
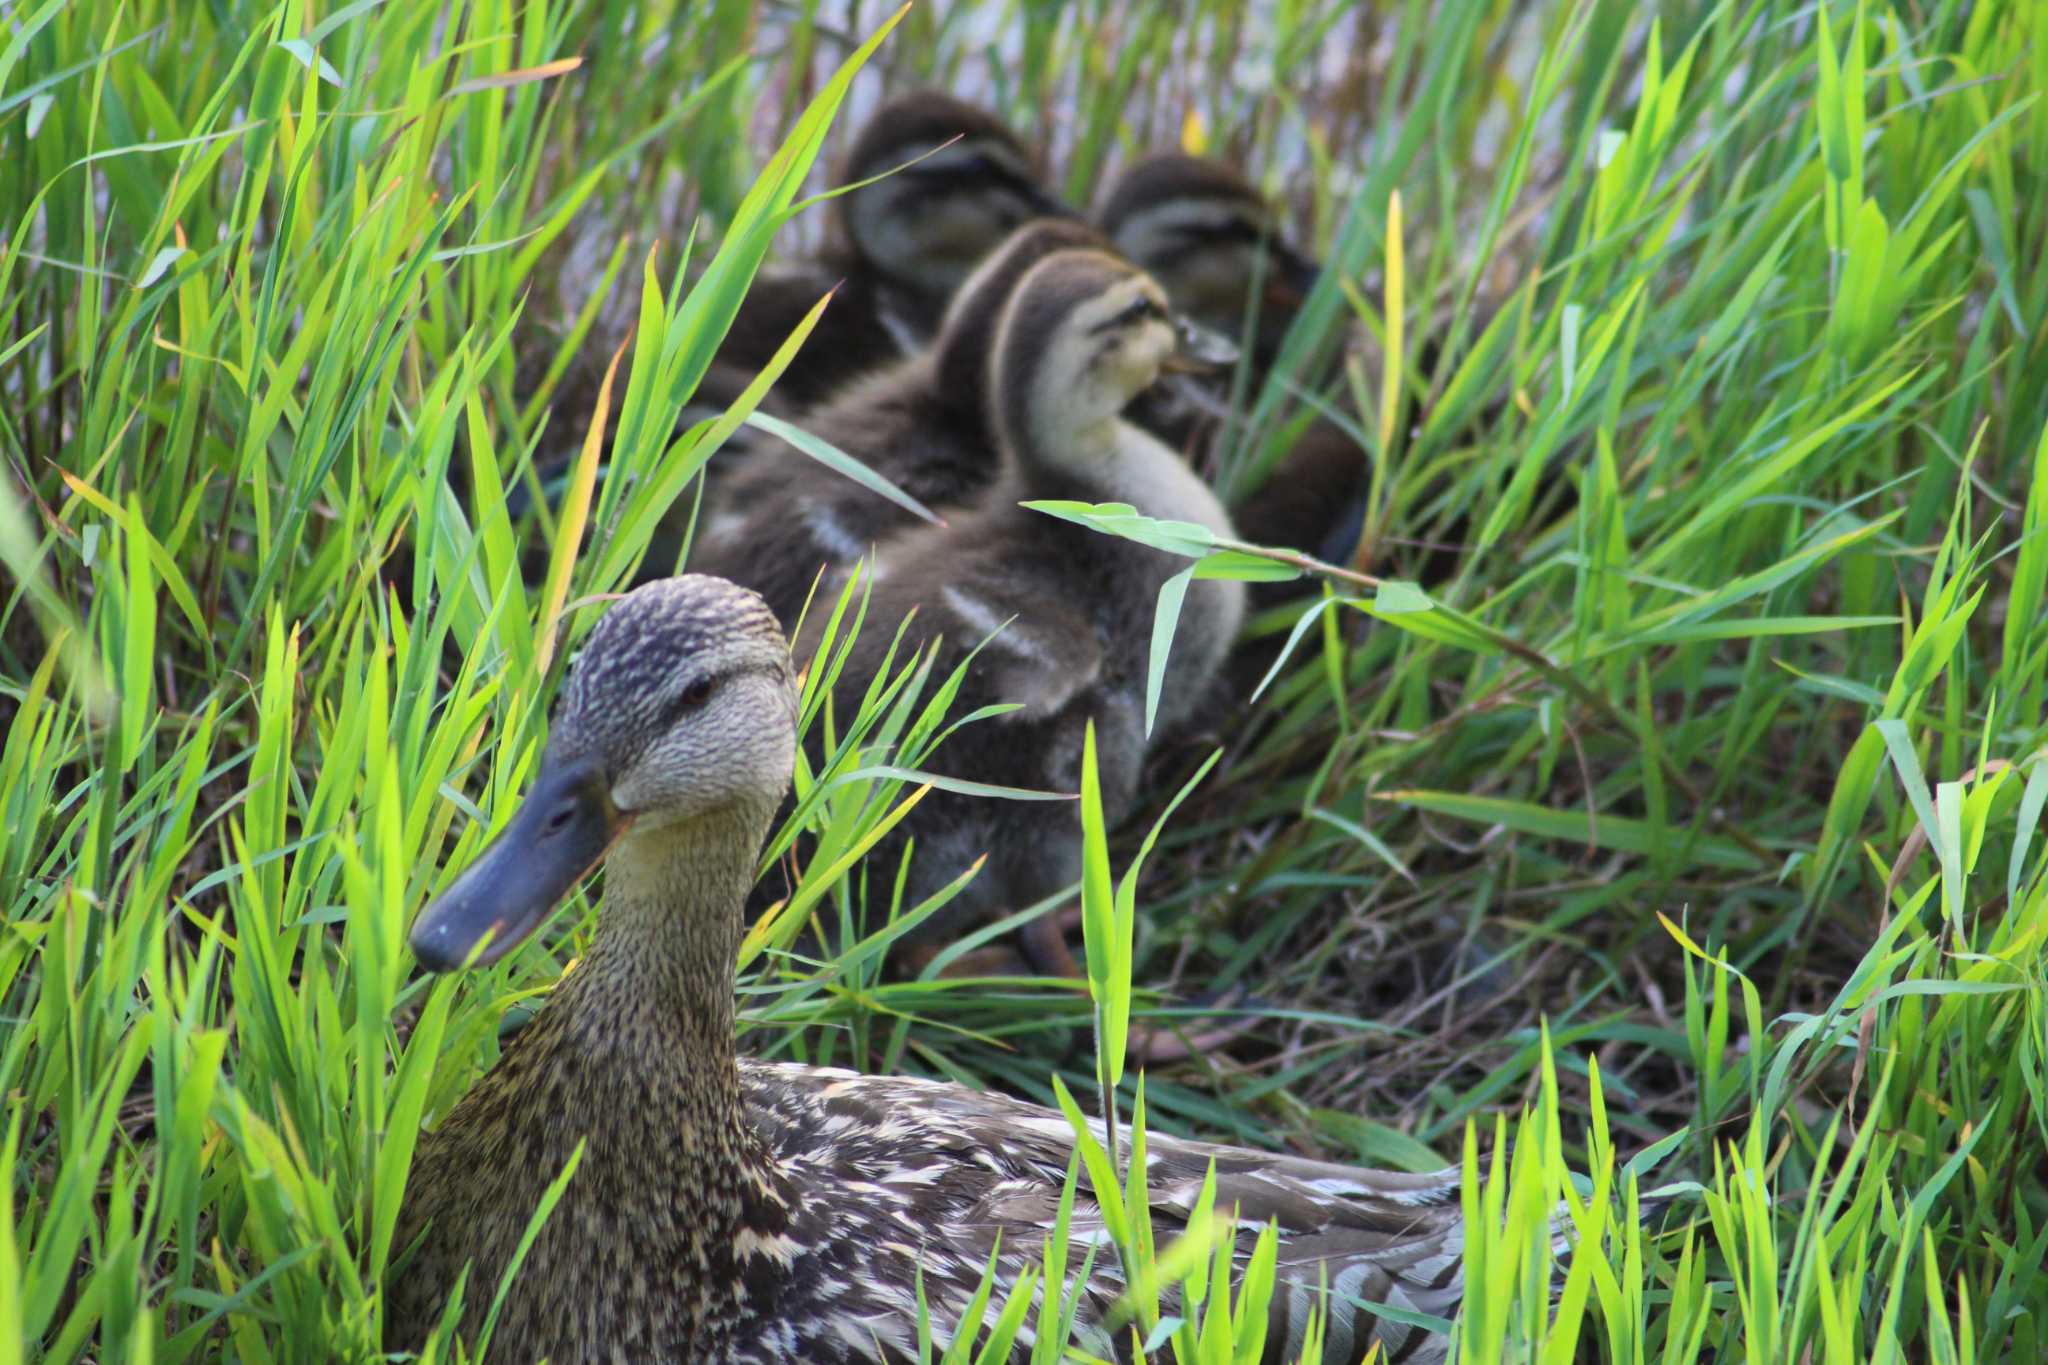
558 834
1203 350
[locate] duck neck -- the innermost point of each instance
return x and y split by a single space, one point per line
661 962
1054 426
645 1021
1064 436
634 1061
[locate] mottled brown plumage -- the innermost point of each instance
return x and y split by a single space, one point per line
730 1210
1061 616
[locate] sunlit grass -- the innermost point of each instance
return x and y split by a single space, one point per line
1677 827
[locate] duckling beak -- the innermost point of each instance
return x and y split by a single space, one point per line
1203 350
559 833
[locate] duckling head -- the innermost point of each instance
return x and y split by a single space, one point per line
680 706
927 226
1084 332
967 334
1207 234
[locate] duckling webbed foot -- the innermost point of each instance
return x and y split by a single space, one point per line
1041 950
1043 944
1159 1044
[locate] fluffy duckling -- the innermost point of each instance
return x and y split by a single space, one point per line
732 1210
920 423
1207 234
1210 238
1066 612
900 247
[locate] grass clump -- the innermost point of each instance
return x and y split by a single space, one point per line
1655 795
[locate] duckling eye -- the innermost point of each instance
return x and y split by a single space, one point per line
1145 307
559 818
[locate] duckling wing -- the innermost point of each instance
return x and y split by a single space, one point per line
930 1178
850 336
1035 650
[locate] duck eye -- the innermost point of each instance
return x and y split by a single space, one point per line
559 818
698 692
1144 307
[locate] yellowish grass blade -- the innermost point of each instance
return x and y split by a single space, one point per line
575 517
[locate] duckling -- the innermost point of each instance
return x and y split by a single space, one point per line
1208 236
919 423
900 247
1066 612
732 1210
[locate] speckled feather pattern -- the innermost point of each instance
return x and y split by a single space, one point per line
804 1238
900 1176
739 1211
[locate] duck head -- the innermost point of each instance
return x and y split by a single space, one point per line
1083 333
1209 237
679 706
967 335
927 226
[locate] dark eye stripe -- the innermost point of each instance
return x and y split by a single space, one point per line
694 694
963 168
977 171
1145 306
1236 231
681 705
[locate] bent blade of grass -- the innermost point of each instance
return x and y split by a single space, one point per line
575 517
945 783
839 462
1100 931
1165 617
1184 538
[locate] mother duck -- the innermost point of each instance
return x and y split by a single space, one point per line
733 1210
